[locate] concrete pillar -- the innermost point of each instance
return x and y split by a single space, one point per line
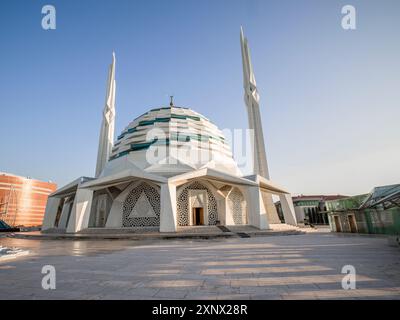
51 213
228 214
80 213
168 219
62 224
221 205
257 211
272 214
288 209
114 219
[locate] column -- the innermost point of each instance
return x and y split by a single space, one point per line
80 213
288 209
257 211
51 213
228 213
272 214
62 224
168 219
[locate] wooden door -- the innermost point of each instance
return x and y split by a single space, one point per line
337 224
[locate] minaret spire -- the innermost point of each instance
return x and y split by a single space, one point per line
106 140
252 100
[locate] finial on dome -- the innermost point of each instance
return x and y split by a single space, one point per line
172 101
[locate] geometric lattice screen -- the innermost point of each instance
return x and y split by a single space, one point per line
237 206
142 207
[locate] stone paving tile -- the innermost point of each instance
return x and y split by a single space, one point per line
216 283
265 297
239 296
189 276
171 293
117 296
175 283
334 294
143 292
329 285
224 290
299 297
266 270
288 267
302 287
244 282
376 284
201 295
251 290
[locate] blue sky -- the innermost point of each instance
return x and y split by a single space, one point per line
329 97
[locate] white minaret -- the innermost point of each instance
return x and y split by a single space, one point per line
252 100
106 140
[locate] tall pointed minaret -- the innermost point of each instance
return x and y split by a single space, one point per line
252 100
106 140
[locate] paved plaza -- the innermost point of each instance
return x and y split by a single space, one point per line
306 266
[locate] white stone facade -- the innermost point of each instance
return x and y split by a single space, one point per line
170 167
138 202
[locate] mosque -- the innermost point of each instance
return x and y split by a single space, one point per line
169 168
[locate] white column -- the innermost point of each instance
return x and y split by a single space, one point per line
62 224
80 212
270 208
288 209
168 221
114 219
49 218
257 211
228 213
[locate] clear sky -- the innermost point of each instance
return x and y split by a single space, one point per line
330 98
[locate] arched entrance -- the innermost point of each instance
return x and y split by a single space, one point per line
196 205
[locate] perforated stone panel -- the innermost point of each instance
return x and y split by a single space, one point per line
237 205
183 205
152 195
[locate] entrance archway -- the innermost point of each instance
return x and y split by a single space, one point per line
196 194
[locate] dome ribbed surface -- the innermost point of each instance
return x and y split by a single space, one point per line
171 126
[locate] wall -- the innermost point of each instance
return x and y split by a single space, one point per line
373 221
383 221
